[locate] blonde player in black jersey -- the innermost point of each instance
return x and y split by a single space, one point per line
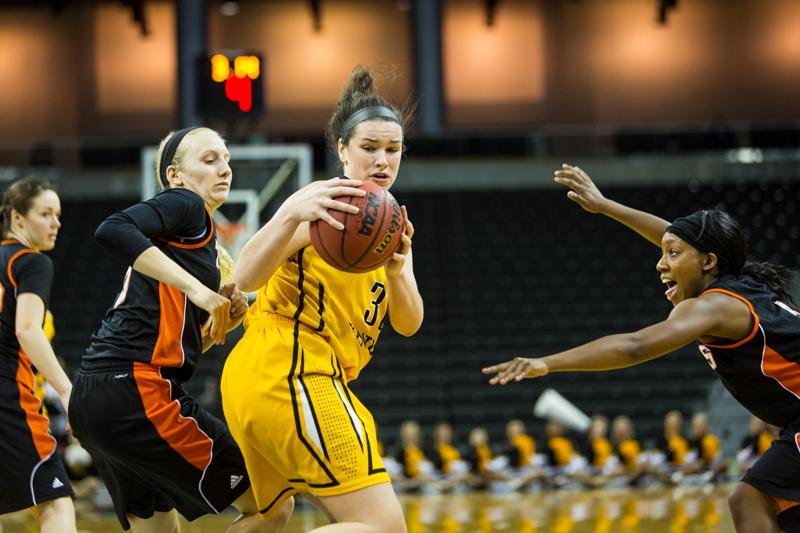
158 451
312 329
742 317
32 473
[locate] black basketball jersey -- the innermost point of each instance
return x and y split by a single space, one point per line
762 370
152 322
22 270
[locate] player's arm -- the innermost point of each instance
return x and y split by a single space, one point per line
127 234
31 337
405 302
585 193
288 230
712 315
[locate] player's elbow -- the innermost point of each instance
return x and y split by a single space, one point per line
24 330
245 282
408 326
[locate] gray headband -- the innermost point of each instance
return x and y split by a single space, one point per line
367 113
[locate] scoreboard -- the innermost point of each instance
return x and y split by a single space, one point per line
230 84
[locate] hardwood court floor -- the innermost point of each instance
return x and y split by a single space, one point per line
695 510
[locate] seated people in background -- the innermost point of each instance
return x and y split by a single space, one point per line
417 470
599 454
669 456
563 461
483 467
521 447
705 456
633 460
758 439
446 457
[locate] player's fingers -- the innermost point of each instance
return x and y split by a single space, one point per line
335 224
221 316
340 206
345 191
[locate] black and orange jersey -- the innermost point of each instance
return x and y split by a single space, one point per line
629 451
520 450
598 451
22 270
707 447
762 371
560 451
675 449
443 457
152 322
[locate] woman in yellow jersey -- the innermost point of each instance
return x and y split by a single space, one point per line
312 329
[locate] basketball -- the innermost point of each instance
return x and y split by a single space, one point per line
370 237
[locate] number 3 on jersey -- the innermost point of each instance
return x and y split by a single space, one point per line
371 314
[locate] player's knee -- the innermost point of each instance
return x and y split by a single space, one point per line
393 522
738 500
58 507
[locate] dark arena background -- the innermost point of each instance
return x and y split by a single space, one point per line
670 106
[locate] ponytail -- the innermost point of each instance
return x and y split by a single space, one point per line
776 277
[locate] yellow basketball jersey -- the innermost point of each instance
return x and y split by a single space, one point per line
347 309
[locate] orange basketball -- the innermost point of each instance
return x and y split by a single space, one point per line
369 238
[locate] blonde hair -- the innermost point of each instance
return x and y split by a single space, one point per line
180 152
226 266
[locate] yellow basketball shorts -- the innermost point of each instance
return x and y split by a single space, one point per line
297 424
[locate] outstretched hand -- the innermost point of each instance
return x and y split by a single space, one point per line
582 189
516 369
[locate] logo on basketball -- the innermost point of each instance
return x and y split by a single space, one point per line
370 214
383 245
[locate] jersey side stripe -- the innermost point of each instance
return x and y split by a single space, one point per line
37 423
182 434
785 372
168 350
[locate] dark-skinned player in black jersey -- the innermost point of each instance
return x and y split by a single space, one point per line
157 450
746 326
32 473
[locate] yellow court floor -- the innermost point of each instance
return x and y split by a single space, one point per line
677 510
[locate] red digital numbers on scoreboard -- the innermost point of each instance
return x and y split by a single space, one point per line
239 79
230 78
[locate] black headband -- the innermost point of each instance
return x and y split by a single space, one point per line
366 113
168 154
695 230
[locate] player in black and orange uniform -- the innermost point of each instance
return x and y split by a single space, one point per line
313 328
32 473
156 449
742 316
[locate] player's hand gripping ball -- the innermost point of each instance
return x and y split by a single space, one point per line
370 237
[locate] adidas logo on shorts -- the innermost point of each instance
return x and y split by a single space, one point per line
57 484
235 480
